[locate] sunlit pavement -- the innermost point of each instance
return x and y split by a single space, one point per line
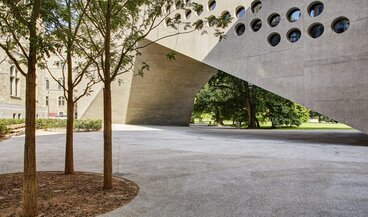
214 172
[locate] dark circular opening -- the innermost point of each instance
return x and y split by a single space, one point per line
240 29
256 25
178 4
294 15
274 39
177 17
199 10
168 22
316 30
212 5
226 16
256 6
274 20
188 14
316 9
212 21
198 24
240 12
294 35
340 25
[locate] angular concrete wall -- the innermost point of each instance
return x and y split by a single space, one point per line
328 74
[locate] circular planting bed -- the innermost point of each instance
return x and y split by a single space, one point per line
80 194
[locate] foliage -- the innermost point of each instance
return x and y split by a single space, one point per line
226 96
79 125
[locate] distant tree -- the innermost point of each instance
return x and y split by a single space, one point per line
280 111
25 40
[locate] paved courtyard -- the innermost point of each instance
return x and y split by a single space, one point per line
208 172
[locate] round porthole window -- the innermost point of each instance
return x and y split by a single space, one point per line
316 30
294 15
274 39
274 20
315 9
168 22
294 35
240 29
341 24
256 6
178 4
211 5
198 24
240 12
212 21
198 9
177 17
256 25
188 14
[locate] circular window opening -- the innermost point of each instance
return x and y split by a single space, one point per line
178 4
187 2
294 35
188 14
168 8
240 12
256 25
274 20
340 25
212 5
240 29
177 17
316 30
316 9
294 15
226 16
199 24
274 39
168 22
212 21
256 6
198 9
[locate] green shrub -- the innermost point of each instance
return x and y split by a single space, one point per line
87 125
51 124
4 123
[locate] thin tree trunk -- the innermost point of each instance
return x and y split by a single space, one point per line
29 175
29 179
69 154
107 104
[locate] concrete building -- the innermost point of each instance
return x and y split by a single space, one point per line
312 52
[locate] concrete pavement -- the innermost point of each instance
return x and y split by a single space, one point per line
207 172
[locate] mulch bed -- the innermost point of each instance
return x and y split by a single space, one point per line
80 194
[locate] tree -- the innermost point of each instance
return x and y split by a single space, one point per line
24 40
115 31
66 22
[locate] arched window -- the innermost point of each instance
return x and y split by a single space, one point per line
61 101
47 101
14 81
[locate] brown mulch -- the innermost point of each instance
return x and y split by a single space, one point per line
80 194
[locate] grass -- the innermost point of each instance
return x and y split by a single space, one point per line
304 126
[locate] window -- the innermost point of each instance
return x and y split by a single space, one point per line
168 22
47 84
60 83
47 101
274 20
14 81
240 12
168 8
198 24
240 29
340 25
294 35
212 5
177 17
294 15
256 7
61 114
256 25
315 9
188 14
198 9
19 115
226 16
61 101
212 21
178 4
274 39
316 30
